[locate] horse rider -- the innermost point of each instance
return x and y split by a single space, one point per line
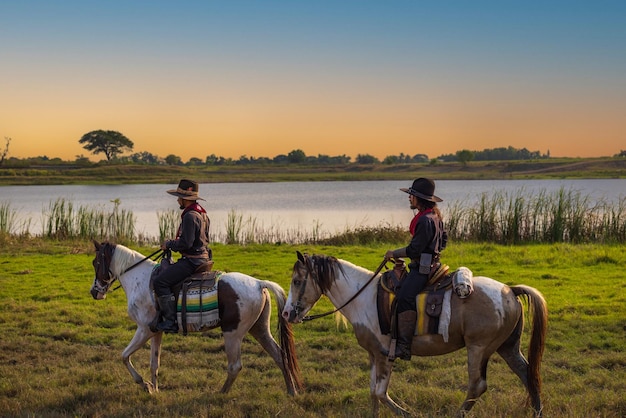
191 241
429 238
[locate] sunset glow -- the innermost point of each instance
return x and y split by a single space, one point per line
264 78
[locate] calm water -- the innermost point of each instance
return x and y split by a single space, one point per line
326 207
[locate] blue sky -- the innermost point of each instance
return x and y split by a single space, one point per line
263 78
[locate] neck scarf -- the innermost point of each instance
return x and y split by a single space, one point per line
416 217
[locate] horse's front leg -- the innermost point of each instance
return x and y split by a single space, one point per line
382 376
373 397
155 359
139 339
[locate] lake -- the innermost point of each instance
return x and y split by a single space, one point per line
324 207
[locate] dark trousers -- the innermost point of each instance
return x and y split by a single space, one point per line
172 275
411 285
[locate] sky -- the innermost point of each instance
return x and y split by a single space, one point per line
262 78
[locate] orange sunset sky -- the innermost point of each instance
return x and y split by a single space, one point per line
262 78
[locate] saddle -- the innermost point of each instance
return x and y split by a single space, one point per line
429 301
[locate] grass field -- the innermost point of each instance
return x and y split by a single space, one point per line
60 350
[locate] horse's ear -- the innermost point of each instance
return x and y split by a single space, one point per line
96 244
300 256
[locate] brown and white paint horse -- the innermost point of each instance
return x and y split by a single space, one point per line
489 321
244 306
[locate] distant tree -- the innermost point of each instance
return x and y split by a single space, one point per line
419 158
211 159
621 154
194 161
82 160
5 151
110 143
464 156
144 157
391 159
173 160
296 156
280 159
366 159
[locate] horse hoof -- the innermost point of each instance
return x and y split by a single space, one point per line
147 386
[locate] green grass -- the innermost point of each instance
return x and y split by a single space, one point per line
60 350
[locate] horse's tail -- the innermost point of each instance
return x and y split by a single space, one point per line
539 309
286 339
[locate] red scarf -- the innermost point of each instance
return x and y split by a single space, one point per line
416 217
195 207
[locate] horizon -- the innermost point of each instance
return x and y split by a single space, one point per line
96 158
256 79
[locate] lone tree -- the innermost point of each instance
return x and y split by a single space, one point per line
111 143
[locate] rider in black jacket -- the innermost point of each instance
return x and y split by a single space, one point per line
429 238
191 241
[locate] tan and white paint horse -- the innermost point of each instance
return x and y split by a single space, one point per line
489 321
244 306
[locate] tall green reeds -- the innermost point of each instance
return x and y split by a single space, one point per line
168 224
563 216
7 219
63 221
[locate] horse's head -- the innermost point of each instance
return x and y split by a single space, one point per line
101 264
311 277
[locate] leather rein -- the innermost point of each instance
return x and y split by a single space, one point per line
310 273
110 273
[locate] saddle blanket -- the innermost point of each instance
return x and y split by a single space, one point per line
197 306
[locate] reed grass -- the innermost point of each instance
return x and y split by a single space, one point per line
563 216
7 219
498 217
63 221
168 224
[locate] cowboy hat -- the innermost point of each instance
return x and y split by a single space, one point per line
424 189
187 190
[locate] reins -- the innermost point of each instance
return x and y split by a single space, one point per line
380 267
156 253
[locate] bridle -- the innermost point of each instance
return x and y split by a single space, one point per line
102 265
298 306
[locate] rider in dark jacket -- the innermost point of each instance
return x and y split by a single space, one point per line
429 238
191 241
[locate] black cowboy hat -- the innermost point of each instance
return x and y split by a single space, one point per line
187 190
424 189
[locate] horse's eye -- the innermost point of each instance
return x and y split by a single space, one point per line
297 282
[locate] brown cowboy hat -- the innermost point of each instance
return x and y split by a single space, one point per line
424 189
187 190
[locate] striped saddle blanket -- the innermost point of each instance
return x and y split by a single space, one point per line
197 303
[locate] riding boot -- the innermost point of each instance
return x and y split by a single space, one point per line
406 329
168 313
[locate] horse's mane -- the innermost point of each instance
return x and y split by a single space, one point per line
123 258
326 268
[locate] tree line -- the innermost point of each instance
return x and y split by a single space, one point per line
113 145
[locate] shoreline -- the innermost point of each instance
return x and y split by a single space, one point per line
111 173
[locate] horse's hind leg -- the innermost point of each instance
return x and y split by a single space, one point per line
477 360
511 353
232 346
261 332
